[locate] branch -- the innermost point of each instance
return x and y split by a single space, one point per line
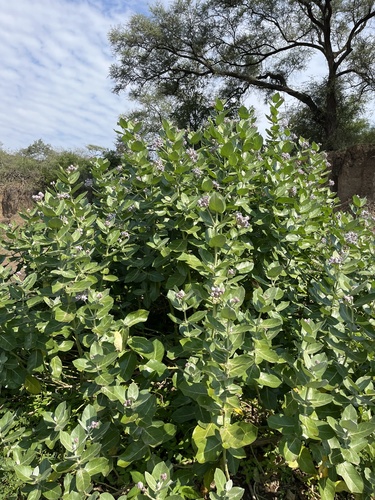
274 76
357 28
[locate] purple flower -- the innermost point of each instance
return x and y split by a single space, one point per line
335 260
38 197
351 237
81 296
180 295
242 220
192 154
159 165
217 292
197 172
203 202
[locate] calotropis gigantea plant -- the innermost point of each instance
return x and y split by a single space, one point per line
211 273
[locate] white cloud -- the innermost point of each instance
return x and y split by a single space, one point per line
54 83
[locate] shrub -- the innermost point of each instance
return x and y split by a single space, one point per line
211 278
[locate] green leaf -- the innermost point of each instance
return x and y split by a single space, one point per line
268 380
23 472
236 367
305 462
217 203
271 323
56 367
244 267
217 241
350 475
66 440
83 480
283 423
32 385
79 286
97 465
8 342
238 435
227 150
364 300
191 260
257 142
135 451
136 317
316 398
137 146
207 442
220 481
52 491
64 316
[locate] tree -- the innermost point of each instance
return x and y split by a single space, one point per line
352 127
38 150
233 46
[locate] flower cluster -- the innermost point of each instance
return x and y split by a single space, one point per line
348 298
159 165
93 425
335 259
89 183
242 220
158 143
63 196
72 168
197 172
38 197
193 155
351 237
110 219
204 201
217 292
180 295
81 296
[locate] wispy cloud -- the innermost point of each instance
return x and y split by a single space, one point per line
55 61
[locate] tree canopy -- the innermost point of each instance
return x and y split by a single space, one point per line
234 46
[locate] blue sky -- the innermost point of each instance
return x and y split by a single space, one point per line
54 82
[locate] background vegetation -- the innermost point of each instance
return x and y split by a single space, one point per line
198 322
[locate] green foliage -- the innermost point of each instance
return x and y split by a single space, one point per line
352 128
214 276
38 164
185 53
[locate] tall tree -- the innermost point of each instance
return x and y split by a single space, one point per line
233 46
352 126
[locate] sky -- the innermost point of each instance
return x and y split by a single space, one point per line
54 84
